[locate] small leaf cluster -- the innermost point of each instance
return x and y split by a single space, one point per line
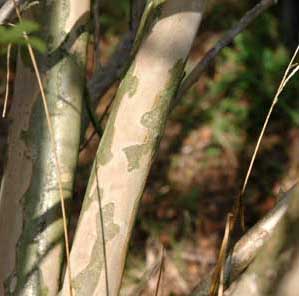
15 35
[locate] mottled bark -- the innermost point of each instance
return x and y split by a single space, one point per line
31 249
247 248
275 267
127 149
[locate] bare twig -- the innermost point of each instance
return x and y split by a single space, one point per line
7 80
104 78
98 124
107 75
160 271
102 229
198 70
53 144
147 275
92 114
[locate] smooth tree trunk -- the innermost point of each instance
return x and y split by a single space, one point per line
31 229
127 148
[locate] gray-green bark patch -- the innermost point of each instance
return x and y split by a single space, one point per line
86 281
58 13
131 83
155 120
128 85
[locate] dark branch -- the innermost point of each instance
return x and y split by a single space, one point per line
96 34
119 62
198 70
103 79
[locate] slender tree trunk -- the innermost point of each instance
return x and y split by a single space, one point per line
275 271
127 149
31 248
250 244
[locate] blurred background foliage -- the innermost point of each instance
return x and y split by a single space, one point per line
208 141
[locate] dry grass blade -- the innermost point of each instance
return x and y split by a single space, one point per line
7 80
53 144
147 275
102 229
291 70
160 271
286 77
219 269
224 252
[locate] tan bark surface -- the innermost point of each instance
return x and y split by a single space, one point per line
127 149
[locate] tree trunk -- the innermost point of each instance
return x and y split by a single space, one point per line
31 249
275 268
127 148
249 245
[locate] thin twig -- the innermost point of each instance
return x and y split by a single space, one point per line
119 62
199 69
147 275
99 124
7 80
105 76
92 114
103 79
53 144
160 271
102 228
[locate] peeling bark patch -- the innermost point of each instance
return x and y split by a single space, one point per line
131 82
155 120
92 272
128 86
134 154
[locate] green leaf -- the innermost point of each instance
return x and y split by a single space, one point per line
38 44
15 35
